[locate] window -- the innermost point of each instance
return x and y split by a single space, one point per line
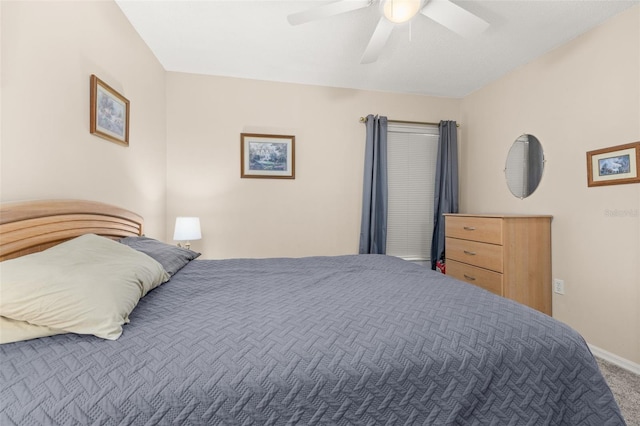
517 176
412 152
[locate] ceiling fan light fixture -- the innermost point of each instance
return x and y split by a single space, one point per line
401 11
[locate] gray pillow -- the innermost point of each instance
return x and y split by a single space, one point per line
172 258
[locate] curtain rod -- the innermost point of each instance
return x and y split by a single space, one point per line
364 120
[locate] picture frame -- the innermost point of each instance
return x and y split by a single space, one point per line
109 112
614 165
267 156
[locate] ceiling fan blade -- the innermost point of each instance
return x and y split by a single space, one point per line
455 18
327 10
377 41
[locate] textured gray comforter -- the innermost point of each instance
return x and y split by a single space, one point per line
328 340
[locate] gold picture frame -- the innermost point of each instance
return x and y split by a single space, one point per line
614 165
109 112
267 156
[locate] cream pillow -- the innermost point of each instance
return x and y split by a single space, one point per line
87 285
15 331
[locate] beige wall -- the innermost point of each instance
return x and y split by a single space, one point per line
49 50
318 213
582 96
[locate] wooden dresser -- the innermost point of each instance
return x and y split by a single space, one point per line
509 255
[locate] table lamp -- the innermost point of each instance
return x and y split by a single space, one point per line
187 229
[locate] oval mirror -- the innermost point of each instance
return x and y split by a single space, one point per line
524 167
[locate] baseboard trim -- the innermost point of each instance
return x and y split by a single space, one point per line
615 359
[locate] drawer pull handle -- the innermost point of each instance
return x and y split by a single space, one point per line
470 253
470 278
469 228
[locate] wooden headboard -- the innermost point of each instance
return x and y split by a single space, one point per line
32 226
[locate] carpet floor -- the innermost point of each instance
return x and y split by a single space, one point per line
626 389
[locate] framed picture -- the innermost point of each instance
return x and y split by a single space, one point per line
615 165
109 113
267 156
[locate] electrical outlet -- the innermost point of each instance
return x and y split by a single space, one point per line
558 286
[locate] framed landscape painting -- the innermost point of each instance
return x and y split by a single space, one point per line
109 113
267 156
615 165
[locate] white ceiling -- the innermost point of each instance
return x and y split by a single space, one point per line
253 39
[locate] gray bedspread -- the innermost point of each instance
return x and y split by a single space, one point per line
363 340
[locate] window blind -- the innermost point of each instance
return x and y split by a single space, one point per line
517 174
412 154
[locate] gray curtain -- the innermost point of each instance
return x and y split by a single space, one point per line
373 228
535 162
446 190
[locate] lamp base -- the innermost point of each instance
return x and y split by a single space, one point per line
186 245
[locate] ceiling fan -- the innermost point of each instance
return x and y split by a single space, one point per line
446 13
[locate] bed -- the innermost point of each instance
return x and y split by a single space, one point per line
346 340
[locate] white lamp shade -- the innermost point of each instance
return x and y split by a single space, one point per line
187 229
400 11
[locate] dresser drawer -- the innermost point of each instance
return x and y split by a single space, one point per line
484 229
488 256
488 280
